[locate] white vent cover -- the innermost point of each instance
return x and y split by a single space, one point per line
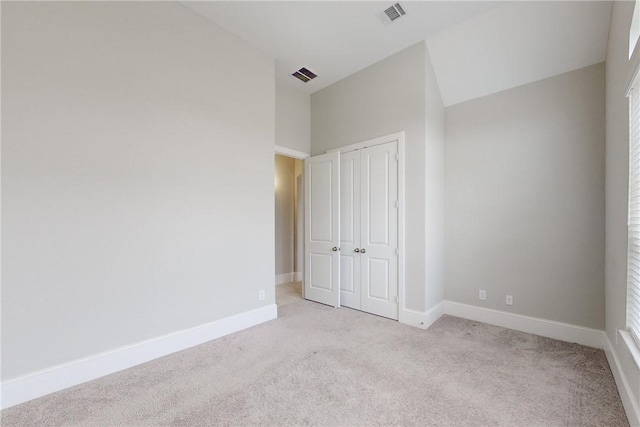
391 13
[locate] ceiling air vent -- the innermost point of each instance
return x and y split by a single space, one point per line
391 13
304 75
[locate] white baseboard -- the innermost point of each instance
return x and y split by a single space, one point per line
533 325
59 377
283 278
422 319
624 389
299 276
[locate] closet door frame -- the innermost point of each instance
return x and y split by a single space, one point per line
399 138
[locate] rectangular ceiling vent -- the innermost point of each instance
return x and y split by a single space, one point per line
304 75
391 13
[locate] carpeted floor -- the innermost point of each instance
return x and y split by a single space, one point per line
287 293
316 365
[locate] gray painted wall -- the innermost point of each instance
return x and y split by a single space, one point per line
293 118
525 199
284 211
434 188
619 73
125 214
387 97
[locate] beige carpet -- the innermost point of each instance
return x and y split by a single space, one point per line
316 365
287 293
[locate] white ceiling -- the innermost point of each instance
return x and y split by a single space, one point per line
518 43
477 47
331 38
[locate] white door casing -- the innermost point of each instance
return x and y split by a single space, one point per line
322 229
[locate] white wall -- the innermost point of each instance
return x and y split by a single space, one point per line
293 118
284 214
125 214
517 43
525 199
619 73
384 98
434 188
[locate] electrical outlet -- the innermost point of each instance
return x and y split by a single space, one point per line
509 300
261 295
482 294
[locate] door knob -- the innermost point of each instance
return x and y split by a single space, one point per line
334 249
356 250
363 250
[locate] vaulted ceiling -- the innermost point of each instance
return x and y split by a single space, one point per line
477 48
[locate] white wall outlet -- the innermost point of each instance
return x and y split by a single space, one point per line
482 294
261 295
509 300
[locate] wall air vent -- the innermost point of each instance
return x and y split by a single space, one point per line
391 13
304 75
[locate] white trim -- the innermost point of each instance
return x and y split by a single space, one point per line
421 319
634 28
412 318
624 389
59 377
283 278
533 325
291 153
632 346
401 230
630 83
298 276
398 136
433 314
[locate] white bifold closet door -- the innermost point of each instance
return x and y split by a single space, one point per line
322 229
351 229
369 230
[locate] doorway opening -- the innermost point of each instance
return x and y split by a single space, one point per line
289 228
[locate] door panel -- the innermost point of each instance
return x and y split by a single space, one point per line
347 278
320 266
379 230
378 278
377 189
350 229
322 229
320 193
349 205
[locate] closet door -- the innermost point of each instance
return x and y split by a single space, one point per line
322 229
379 230
350 229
